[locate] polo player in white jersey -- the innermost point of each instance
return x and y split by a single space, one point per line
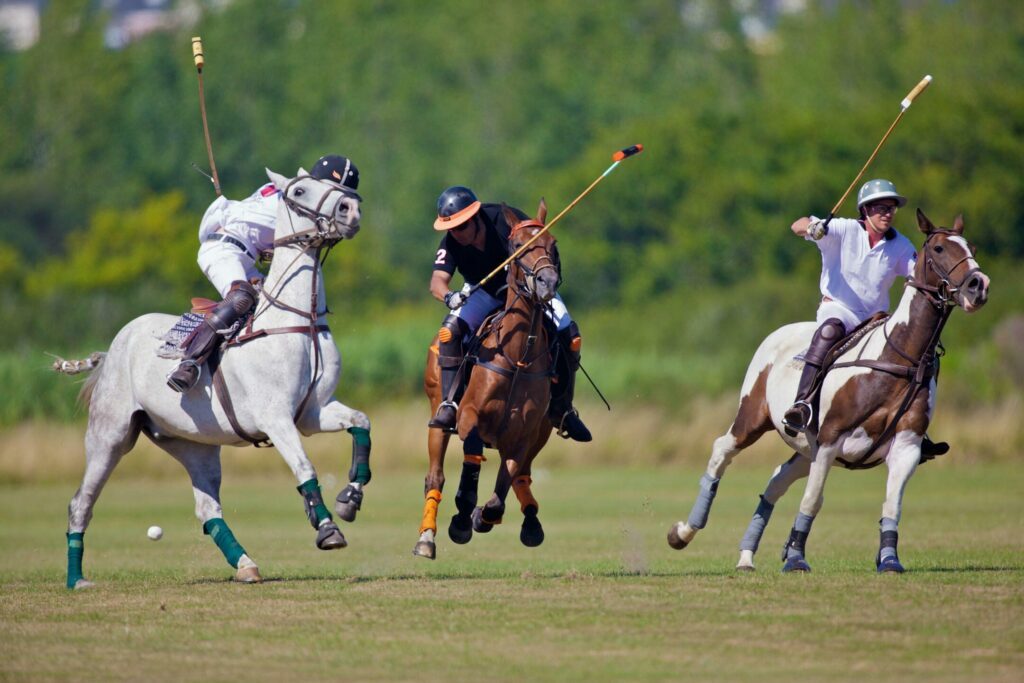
860 260
233 235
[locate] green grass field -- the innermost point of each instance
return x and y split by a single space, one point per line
604 598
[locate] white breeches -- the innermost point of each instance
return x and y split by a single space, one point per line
481 304
834 309
224 263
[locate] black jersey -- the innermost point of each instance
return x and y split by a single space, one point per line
474 265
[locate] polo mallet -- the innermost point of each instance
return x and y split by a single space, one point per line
904 106
617 159
197 55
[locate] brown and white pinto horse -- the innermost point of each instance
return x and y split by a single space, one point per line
875 402
505 404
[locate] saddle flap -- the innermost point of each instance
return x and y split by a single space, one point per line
202 305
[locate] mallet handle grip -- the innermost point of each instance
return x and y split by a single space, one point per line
197 53
918 89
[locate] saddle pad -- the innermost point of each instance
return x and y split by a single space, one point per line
173 338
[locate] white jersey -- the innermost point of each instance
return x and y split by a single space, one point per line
857 275
250 221
234 233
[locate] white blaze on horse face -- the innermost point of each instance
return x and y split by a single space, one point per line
969 305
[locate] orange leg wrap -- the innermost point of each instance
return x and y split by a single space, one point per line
475 459
521 486
430 511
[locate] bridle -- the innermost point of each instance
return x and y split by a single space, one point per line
527 286
944 295
325 221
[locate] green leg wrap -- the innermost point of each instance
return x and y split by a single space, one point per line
76 549
218 530
360 471
315 508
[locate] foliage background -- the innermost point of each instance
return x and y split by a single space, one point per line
675 267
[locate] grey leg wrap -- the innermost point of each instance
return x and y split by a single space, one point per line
889 538
796 546
752 538
702 506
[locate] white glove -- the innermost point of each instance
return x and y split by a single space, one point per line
816 229
454 300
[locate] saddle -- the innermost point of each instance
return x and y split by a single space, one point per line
176 339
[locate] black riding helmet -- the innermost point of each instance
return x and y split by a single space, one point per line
338 170
455 206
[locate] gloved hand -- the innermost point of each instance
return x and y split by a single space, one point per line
816 229
454 300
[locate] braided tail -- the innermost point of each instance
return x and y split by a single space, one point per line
75 367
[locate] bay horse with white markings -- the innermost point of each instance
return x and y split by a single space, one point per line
875 401
505 405
274 383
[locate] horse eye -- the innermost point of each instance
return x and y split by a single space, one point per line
938 249
299 192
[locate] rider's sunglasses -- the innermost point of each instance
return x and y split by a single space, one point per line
882 209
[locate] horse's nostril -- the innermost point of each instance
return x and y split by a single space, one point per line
975 283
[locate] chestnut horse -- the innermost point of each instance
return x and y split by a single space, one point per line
875 403
505 405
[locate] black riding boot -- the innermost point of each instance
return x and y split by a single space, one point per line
563 416
799 415
239 301
449 357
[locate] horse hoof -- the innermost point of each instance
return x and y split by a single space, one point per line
460 530
675 539
795 564
348 502
425 549
890 565
82 584
248 575
329 537
479 525
532 533
746 561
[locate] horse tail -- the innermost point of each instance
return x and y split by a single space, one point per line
74 367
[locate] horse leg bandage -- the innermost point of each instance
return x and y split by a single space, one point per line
752 538
430 511
888 540
796 546
218 530
76 550
702 506
316 511
360 470
521 486
469 481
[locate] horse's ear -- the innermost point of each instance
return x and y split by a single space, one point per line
279 180
958 224
542 212
510 216
302 172
924 224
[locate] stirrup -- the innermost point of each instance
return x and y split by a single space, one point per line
563 431
179 386
795 410
435 421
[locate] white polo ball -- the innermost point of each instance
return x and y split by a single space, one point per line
155 533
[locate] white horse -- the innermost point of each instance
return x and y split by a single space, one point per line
875 403
280 381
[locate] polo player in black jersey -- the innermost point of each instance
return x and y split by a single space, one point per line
475 242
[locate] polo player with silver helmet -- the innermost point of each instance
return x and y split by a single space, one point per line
475 242
860 261
233 236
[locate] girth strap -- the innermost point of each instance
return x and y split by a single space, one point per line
221 389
